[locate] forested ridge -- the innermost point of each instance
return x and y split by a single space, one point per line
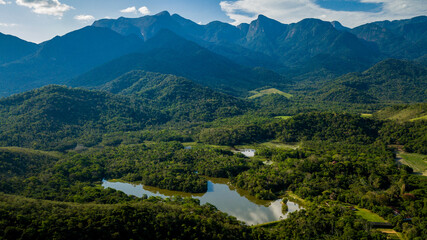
391 80
54 116
176 95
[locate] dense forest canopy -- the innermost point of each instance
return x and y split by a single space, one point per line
342 160
336 118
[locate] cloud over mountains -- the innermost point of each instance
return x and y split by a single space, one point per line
84 18
48 7
142 10
288 11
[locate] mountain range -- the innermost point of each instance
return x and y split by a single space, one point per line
230 59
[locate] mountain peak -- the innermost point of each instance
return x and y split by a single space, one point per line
338 26
264 23
163 13
263 19
312 21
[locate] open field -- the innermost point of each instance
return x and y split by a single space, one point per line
416 161
368 215
409 113
268 91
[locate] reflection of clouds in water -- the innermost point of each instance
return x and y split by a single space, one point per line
276 209
129 189
292 207
257 217
221 196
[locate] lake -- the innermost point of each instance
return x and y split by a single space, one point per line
225 197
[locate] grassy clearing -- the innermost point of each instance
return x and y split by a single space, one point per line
369 216
392 234
404 113
32 151
268 91
271 144
366 115
267 225
419 118
196 144
295 198
283 117
416 161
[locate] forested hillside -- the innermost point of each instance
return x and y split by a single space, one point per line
388 81
54 117
176 96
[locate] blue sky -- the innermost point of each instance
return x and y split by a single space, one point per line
40 20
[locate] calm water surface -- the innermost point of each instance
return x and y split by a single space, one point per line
235 202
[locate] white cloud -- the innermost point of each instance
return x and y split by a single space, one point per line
8 24
129 10
288 11
144 10
48 7
84 18
2 2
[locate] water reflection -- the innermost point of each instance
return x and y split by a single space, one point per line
237 203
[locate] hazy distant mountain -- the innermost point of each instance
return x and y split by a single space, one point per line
287 45
13 48
176 96
171 54
388 81
218 55
148 26
400 38
65 57
220 37
305 41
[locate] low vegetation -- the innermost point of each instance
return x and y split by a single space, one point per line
418 162
268 91
369 215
